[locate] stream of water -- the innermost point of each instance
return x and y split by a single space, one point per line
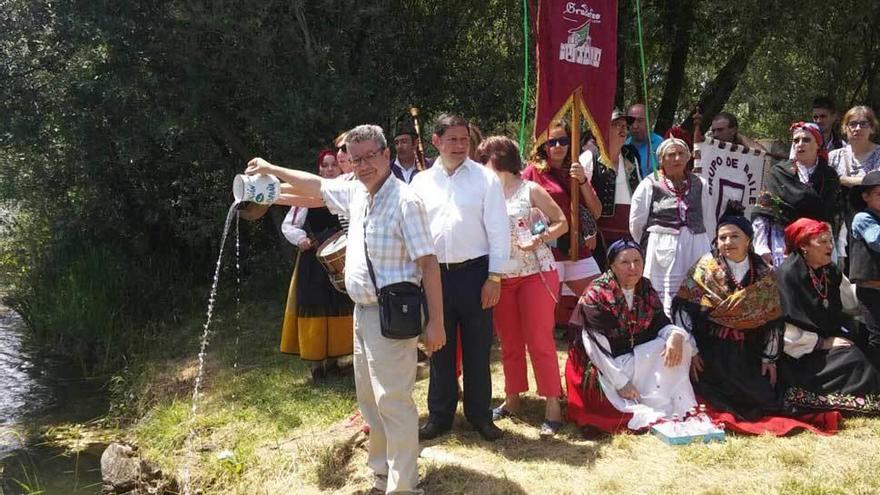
212 298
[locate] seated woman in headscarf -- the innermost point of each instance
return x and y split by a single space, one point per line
821 366
624 341
730 304
803 187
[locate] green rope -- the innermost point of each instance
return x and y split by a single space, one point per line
651 161
525 90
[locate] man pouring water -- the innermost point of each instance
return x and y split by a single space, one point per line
389 245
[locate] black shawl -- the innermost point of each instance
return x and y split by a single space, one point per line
801 303
785 198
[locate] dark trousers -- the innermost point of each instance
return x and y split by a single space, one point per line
462 308
869 302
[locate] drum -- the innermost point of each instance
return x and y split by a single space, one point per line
331 254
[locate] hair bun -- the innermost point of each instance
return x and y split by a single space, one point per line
734 208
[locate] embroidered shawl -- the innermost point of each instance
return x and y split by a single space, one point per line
710 286
603 309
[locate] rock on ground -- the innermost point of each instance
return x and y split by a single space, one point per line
124 472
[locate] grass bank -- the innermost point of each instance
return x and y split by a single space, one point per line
262 428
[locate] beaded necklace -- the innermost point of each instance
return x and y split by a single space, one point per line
679 194
728 273
816 281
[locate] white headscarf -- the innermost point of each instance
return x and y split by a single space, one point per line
669 142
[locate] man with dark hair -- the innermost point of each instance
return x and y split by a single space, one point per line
825 116
469 225
405 163
725 127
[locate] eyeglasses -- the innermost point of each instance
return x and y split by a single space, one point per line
619 124
855 124
343 148
366 158
563 141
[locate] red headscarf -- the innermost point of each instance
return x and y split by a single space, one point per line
813 129
801 231
679 132
321 156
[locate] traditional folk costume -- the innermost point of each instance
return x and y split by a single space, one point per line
673 225
614 186
733 311
794 191
619 338
318 322
841 377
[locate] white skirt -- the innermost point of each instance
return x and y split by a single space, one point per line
664 391
668 257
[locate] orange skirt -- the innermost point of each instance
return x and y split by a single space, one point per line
313 338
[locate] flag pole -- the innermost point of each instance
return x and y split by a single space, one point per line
574 225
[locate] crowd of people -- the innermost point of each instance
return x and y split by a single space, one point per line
774 317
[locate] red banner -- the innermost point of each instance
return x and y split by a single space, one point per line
576 58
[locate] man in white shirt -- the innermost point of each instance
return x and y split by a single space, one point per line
471 233
388 223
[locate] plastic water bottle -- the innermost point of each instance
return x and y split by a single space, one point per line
523 235
705 420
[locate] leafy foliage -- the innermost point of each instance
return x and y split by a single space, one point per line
124 122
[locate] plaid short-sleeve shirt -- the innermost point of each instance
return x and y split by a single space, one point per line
396 227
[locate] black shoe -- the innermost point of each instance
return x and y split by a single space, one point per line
432 430
489 431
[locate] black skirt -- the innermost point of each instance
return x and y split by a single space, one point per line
731 379
841 378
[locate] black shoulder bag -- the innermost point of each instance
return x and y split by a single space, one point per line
402 306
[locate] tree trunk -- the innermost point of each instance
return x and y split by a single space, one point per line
675 72
717 92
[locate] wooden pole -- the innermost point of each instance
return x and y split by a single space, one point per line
575 148
420 148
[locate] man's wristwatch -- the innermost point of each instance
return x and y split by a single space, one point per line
495 277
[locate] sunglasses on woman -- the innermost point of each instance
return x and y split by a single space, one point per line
562 141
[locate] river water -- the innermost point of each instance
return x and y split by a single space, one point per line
37 392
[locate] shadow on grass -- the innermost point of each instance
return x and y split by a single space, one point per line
521 443
458 480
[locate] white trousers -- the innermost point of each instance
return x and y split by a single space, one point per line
384 374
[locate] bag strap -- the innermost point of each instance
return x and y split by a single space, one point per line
367 253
